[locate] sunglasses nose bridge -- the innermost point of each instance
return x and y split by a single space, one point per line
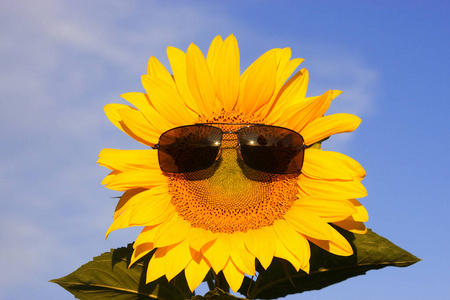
228 136
237 145
229 141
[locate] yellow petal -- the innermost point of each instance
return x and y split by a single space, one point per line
294 242
123 160
122 214
213 53
335 94
283 60
337 245
218 253
328 165
172 231
217 106
307 100
324 127
284 70
200 80
282 57
151 209
326 188
285 67
361 213
226 74
331 210
199 237
167 101
135 124
177 59
138 125
196 270
110 177
156 69
303 83
147 236
261 243
282 252
243 259
140 251
142 102
233 275
122 221
122 181
114 117
306 223
156 266
258 83
354 167
301 95
351 225
299 115
177 258
126 201
295 87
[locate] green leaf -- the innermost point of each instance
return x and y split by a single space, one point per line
216 294
371 252
108 277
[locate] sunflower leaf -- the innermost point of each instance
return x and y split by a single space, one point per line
371 252
107 276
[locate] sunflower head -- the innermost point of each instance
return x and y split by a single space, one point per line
228 214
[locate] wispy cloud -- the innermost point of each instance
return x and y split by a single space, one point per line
61 62
359 83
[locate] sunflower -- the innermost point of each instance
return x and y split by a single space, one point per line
230 215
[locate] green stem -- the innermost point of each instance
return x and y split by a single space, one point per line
210 280
222 283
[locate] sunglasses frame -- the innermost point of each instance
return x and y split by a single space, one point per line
303 146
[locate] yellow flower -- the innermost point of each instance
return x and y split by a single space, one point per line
234 215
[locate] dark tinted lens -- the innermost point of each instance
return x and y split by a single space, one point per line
271 149
189 148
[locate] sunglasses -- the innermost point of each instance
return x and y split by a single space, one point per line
265 148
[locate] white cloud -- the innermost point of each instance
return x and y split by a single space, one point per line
349 75
359 84
55 53
61 62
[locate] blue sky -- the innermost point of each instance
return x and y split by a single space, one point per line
62 61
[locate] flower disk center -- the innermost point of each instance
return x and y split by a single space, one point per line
229 196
